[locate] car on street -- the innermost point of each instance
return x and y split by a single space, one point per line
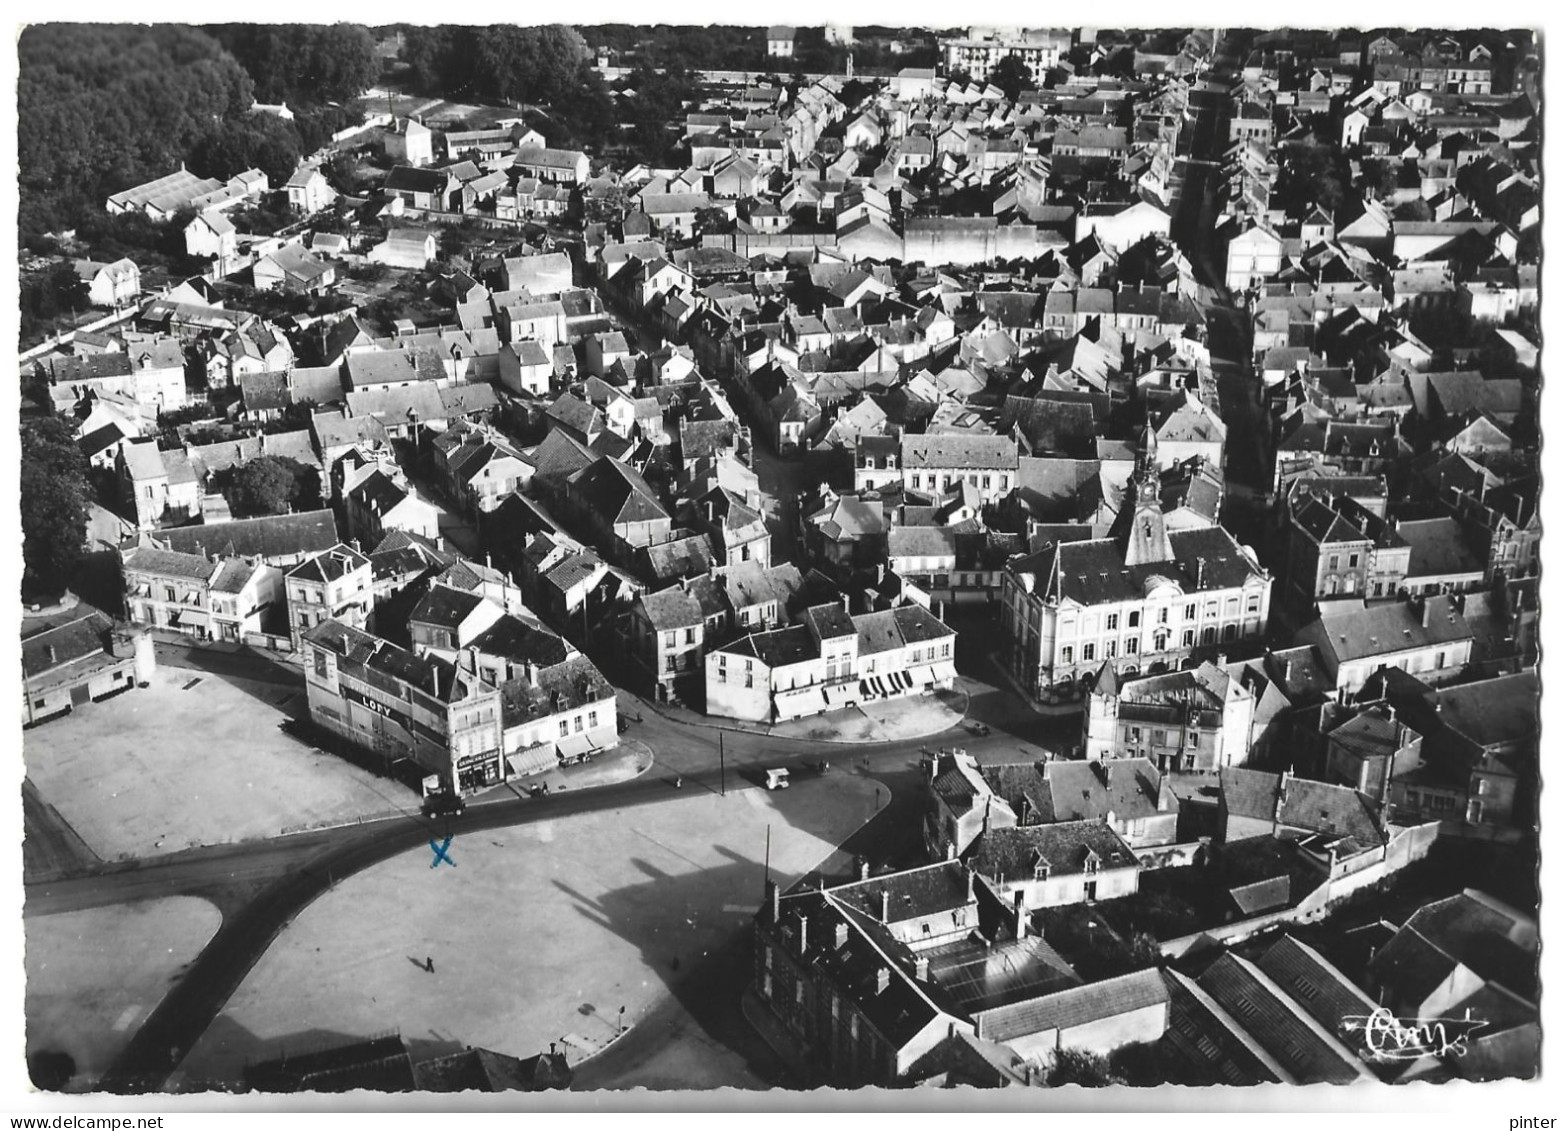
444 804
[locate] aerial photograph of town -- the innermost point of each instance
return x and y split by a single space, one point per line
632 556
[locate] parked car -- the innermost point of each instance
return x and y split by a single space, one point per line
777 779
444 804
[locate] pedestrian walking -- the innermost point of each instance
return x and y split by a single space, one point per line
429 965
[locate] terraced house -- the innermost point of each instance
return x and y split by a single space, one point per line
387 700
210 599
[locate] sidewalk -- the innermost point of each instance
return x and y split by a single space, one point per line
884 720
1010 681
630 759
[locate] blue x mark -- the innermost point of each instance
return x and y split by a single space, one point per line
440 853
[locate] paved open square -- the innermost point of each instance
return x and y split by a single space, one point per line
539 933
173 765
94 976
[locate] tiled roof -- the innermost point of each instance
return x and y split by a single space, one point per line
283 535
330 565
1309 1051
1075 1007
670 609
1011 854
445 606
1056 791
76 639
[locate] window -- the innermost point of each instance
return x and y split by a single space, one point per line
592 718
1230 631
670 663
1132 644
1087 653
1111 621
1353 560
1440 660
668 640
986 482
1163 616
1332 561
1188 638
320 665
1111 648
565 729
1253 602
1160 642
1134 734
1160 738
169 594
1065 654
750 680
1134 619
690 636
1190 611
1190 761
577 724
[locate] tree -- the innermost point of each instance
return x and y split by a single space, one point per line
713 220
304 63
267 485
1012 76
1077 1066
103 107
54 497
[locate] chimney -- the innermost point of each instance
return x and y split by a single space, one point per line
922 969
886 906
1201 571
1424 613
49 652
1020 912
774 898
864 869
840 935
951 851
883 979
970 884
804 933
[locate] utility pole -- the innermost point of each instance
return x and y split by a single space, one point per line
723 789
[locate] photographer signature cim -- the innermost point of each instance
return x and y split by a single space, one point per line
1388 1038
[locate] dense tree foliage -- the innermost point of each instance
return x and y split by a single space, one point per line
719 47
504 62
47 295
54 496
1078 1066
1012 76
101 108
303 64
270 485
1314 174
104 107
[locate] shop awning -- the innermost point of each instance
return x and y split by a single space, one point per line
944 670
841 694
192 618
921 676
533 760
796 697
575 746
